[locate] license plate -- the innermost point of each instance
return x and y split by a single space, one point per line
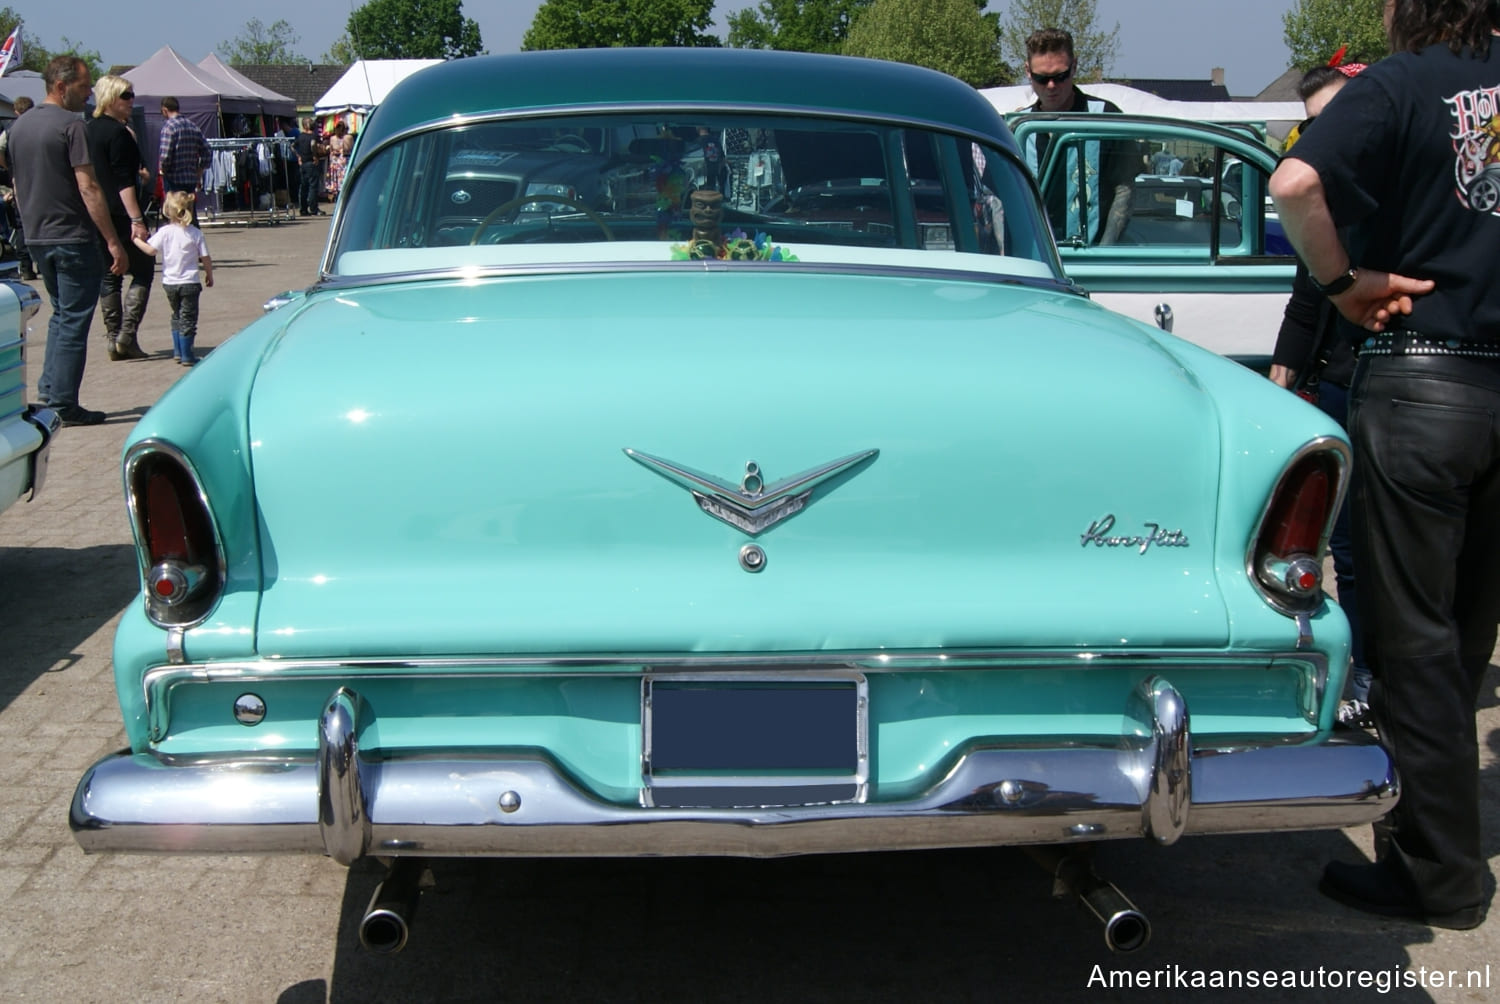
751 740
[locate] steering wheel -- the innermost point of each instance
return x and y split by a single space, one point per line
572 143
520 201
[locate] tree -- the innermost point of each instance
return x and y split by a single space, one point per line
257 44
1094 47
35 56
413 29
795 25
947 35
598 24
1316 29
341 51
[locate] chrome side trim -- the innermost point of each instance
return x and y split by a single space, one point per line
158 683
456 806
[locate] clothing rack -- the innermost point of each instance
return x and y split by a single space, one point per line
268 162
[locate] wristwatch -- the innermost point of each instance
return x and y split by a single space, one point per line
1337 286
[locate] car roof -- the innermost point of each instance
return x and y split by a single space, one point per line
683 78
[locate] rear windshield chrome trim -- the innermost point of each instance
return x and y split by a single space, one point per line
337 282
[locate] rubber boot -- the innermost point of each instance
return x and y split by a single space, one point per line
176 346
188 359
134 308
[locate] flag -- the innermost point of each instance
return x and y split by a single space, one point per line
10 53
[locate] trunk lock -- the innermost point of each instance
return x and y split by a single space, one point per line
752 558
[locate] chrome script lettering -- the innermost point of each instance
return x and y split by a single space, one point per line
1099 535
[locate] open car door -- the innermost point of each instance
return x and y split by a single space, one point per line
1200 223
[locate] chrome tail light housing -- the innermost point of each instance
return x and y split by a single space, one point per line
177 541
1285 561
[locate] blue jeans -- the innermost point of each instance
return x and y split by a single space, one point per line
1334 401
71 274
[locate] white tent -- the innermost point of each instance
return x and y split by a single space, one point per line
365 84
1137 102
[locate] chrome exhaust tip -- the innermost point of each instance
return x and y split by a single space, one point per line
1126 928
386 925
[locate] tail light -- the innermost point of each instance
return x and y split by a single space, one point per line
181 560
1287 550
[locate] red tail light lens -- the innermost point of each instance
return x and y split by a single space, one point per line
1286 558
175 537
1300 508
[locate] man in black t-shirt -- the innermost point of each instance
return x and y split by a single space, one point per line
1402 157
1089 200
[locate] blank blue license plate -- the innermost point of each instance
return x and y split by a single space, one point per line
753 742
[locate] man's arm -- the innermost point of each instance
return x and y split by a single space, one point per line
1122 165
93 200
1119 214
1375 297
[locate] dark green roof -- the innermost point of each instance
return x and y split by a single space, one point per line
706 77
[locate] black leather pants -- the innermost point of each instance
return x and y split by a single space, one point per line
1426 508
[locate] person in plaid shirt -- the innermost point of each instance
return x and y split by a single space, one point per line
184 154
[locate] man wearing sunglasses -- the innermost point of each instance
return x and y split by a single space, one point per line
1093 205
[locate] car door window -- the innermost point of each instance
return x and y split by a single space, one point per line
1189 198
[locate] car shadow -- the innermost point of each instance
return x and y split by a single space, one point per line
977 924
936 925
56 599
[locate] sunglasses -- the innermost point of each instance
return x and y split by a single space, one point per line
1043 79
128 95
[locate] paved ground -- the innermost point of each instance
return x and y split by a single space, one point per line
966 926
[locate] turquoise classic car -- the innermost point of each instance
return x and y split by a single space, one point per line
703 452
26 430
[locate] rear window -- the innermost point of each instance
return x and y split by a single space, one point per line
639 187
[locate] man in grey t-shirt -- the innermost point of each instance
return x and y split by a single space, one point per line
64 213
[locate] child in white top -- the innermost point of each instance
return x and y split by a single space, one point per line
183 252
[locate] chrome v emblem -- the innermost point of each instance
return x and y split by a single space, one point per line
754 506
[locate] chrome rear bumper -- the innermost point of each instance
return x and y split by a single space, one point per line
452 806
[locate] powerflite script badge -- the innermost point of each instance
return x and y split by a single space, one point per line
1099 535
754 506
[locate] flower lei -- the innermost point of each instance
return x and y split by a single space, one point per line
735 247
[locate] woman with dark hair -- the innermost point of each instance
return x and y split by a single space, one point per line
1403 161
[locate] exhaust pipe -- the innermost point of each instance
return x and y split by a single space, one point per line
1126 928
387 921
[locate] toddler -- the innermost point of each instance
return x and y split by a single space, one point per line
183 251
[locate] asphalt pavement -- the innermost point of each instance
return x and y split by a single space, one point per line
976 925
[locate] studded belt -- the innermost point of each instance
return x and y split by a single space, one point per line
1412 343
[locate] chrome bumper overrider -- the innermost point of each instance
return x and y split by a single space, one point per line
347 806
49 423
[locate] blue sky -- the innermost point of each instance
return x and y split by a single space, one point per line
1163 38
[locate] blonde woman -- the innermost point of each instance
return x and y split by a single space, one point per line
117 163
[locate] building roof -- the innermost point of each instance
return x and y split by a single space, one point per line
1178 90
304 83
1283 88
